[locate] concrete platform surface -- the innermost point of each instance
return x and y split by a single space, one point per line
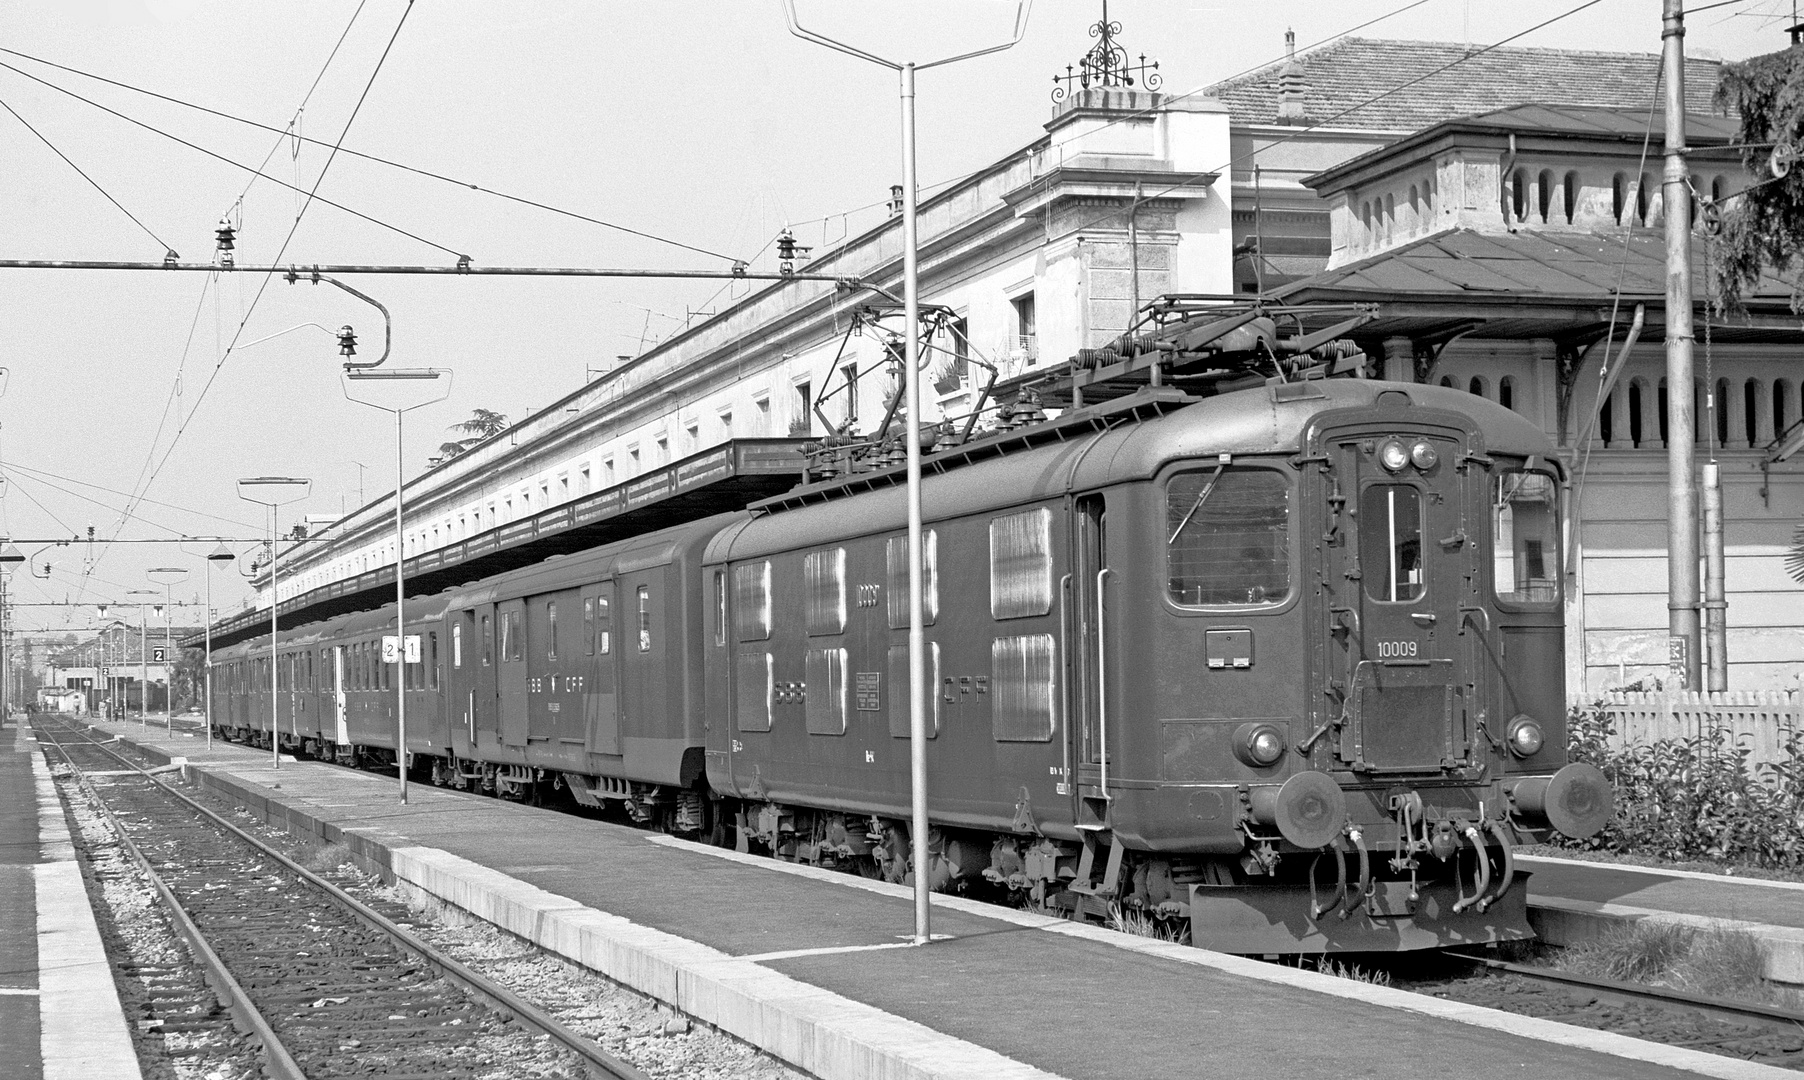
60 1017
812 965
1570 899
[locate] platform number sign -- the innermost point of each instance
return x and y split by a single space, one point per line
394 650
159 655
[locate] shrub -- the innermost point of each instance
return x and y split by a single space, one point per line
1695 798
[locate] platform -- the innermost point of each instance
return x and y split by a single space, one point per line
813 965
1570 900
60 1017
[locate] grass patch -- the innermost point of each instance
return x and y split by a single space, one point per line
1140 924
1718 961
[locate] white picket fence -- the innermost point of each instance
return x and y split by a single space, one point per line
1760 719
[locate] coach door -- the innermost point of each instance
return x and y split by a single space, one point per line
601 700
1399 565
510 670
341 721
1085 595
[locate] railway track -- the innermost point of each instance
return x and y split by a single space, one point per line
1722 1010
326 985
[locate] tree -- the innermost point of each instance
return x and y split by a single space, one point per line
482 424
1763 226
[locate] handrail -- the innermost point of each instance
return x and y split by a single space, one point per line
1102 681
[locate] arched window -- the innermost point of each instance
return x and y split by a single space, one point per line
1721 401
1637 398
1544 195
1506 392
1782 411
1477 386
1415 209
1642 199
1606 433
1619 195
1719 186
1665 436
1750 392
1447 381
1571 195
1519 194
1365 221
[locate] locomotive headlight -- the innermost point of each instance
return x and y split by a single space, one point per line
1525 737
1393 455
1423 455
1259 745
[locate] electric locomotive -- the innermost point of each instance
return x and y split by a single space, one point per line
1283 663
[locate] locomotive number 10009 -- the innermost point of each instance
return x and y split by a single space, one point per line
1389 650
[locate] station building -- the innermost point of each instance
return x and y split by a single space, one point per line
1296 177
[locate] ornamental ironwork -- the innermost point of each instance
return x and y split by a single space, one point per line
1106 64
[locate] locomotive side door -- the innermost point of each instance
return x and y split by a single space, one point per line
1086 596
1402 568
601 702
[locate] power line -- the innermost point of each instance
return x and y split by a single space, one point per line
79 172
302 270
221 157
40 474
286 133
269 276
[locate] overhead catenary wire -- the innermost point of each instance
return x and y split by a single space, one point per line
269 275
230 161
79 171
287 133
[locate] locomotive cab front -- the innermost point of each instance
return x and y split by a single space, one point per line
1408 555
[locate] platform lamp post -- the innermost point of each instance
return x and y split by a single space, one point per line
9 558
167 576
398 391
143 656
219 556
911 295
273 492
106 659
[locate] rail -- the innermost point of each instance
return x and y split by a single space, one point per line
1621 993
598 1061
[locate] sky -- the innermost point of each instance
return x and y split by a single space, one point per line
706 124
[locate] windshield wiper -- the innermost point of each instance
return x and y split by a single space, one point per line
1198 505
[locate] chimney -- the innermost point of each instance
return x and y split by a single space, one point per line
1291 84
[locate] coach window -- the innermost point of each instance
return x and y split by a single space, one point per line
1227 537
604 626
588 626
488 642
1525 538
1020 564
895 557
824 591
720 607
1390 541
432 659
644 618
457 644
511 644
751 601
551 631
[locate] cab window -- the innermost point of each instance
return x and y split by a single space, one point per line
1390 542
1525 538
1228 537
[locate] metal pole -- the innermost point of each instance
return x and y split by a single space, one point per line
168 669
2 649
1682 510
143 668
400 621
207 666
917 644
275 740
1716 604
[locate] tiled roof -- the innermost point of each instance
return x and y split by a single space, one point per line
1536 264
1344 75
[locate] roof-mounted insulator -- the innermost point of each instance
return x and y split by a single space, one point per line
788 251
224 236
347 341
169 259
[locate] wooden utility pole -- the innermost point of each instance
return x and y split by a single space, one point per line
1683 654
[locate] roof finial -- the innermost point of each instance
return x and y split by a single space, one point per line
1106 64
1290 43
